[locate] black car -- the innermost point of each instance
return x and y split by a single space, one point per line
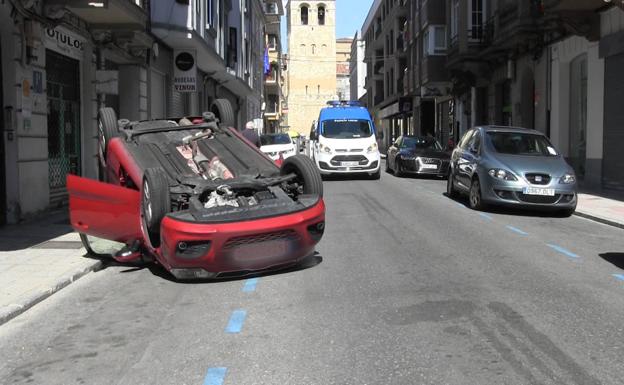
423 155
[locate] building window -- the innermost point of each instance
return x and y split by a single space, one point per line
454 19
304 15
321 15
476 17
434 40
272 42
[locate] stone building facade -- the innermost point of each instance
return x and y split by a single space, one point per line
312 60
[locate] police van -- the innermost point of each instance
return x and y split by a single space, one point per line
343 140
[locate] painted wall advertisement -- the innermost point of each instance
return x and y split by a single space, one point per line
185 71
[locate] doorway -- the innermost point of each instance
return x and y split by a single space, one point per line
63 92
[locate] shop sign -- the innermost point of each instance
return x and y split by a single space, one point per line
65 42
185 71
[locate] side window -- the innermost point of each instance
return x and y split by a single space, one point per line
463 144
475 141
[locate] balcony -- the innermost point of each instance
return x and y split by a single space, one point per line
107 14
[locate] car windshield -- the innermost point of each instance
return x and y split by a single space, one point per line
267 140
421 143
347 129
517 143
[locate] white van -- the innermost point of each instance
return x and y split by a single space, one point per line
343 141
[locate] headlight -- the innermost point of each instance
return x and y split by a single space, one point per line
567 179
372 148
325 148
501 174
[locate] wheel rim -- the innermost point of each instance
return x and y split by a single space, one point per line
475 194
147 205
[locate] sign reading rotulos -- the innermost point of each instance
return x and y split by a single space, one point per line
65 42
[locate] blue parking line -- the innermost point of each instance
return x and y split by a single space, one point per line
516 230
236 321
484 215
215 376
563 251
250 285
619 276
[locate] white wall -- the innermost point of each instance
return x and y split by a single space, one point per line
562 54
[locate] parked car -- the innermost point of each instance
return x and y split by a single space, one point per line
512 167
343 140
277 146
197 198
423 155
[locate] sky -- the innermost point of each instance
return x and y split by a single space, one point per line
350 15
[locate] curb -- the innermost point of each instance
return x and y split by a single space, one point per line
599 219
12 311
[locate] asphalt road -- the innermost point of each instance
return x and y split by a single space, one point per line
408 287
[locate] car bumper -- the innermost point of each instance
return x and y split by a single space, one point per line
412 166
336 163
239 248
505 193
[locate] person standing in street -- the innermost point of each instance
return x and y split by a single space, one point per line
250 133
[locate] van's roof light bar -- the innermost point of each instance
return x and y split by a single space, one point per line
344 103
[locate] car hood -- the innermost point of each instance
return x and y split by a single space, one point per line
277 147
555 166
426 153
348 144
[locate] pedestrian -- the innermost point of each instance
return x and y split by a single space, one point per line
250 133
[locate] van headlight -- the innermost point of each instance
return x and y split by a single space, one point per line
324 148
372 148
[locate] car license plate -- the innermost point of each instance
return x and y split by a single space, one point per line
429 166
260 250
349 164
539 191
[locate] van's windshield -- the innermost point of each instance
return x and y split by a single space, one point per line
346 129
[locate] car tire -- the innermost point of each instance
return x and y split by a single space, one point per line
475 199
397 168
450 187
376 175
107 129
307 173
222 108
155 202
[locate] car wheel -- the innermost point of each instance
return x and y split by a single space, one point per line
308 176
155 202
222 108
450 186
376 176
398 171
107 129
475 198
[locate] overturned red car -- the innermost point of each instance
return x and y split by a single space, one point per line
194 196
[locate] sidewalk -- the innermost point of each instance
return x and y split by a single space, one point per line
599 209
37 259
41 257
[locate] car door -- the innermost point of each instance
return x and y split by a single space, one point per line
104 210
392 152
469 158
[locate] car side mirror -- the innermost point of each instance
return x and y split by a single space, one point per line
313 135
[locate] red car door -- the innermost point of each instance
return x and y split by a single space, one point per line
104 210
